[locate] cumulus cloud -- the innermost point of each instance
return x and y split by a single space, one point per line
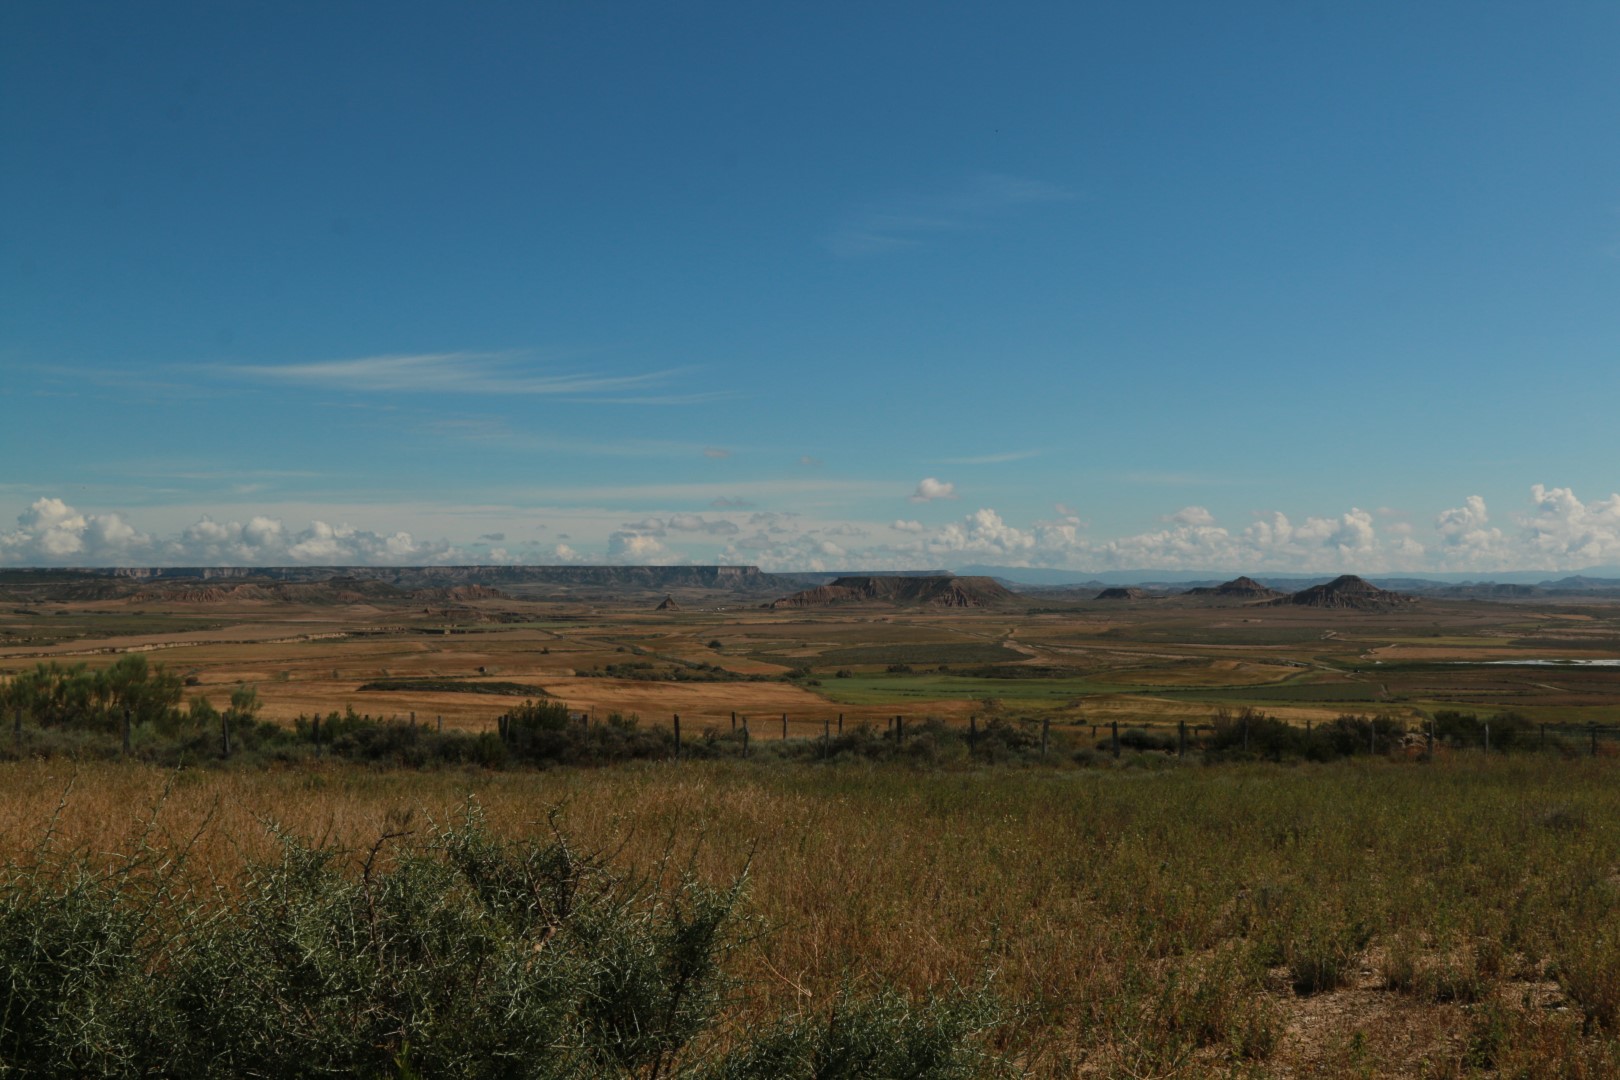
929 489
1192 515
982 533
1557 530
1562 531
1466 538
52 533
638 549
715 452
698 523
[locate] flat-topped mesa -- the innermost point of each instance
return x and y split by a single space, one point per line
939 590
1348 592
1239 588
1123 592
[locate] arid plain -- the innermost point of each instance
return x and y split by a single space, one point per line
1401 914
1139 662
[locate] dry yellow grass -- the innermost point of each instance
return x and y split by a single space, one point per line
1090 896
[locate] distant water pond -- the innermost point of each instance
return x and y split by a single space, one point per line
1529 663
1540 663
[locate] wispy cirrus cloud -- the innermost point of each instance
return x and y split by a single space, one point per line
992 459
495 431
910 221
501 374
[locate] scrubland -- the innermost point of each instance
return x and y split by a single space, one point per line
380 897
1369 917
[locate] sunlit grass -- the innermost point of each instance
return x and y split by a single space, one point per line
1158 918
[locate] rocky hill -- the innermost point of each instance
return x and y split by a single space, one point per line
1348 592
1129 592
1240 588
937 591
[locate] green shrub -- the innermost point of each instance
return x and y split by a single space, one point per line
453 955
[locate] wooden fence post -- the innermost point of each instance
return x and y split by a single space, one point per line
784 727
973 731
1046 730
840 725
1487 738
734 721
677 736
1114 736
745 736
225 733
899 729
1245 730
1431 738
413 719
441 724
1181 738
1372 736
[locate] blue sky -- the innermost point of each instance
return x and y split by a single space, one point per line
1251 286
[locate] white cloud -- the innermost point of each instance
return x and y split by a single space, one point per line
929 489
502 374
50 532
982 533
1556 531
910 221
992 459
699 524
638 549
1465 538
1562 531
1192 515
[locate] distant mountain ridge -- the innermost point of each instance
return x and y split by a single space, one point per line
939 591
383 582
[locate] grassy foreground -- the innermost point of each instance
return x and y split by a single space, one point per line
1460 917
